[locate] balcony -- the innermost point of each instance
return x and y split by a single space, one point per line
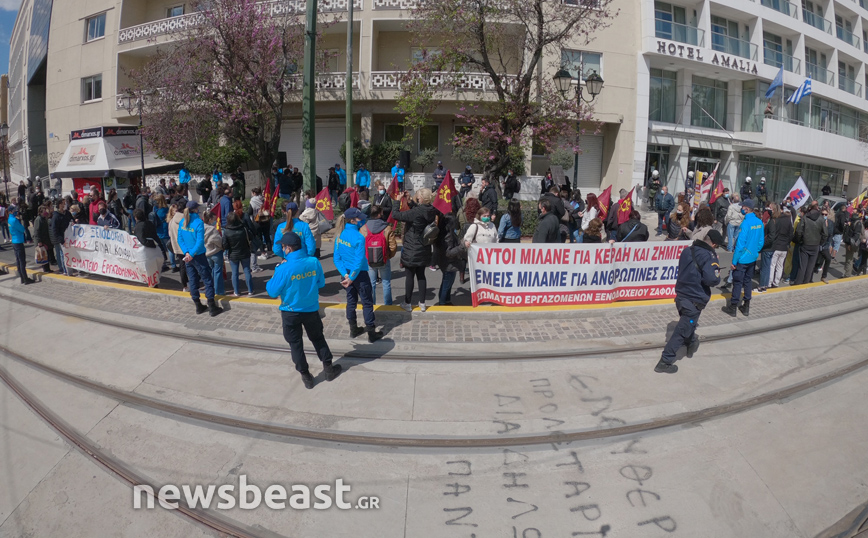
777 58
323 82
848 37
391 80
781 6
820 74
731 45
816 21
681 33
160 27
395 4
850 86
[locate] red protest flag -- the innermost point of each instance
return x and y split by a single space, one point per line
625 207
354 196
216 212
403 207
443 201
605 200
717 192
324 204
393 191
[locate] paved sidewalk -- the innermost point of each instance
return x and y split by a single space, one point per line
446 327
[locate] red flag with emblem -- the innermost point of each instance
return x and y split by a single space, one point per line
403 207
354 196
324 204
216 212
443 201
717 192
605 200
625 207
266 195
393 191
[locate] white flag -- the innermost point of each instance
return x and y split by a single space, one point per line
799 194
706 185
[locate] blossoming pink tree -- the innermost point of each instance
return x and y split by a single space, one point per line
225 77
510 42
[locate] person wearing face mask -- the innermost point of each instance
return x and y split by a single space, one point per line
810 234
719 209
297 282
488 197
75 215
105 218
42 235
678 227
382 199
352 265
191 239
750 242
511 185
439 175
734 218
16 229
482 230
466 181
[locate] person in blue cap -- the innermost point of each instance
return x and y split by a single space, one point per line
352 264
191 240
17 231
301 228
297 282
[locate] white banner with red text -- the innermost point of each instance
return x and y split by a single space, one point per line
112 253
573 274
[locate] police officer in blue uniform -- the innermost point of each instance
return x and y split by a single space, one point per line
297 282
698 271
299 227
352 264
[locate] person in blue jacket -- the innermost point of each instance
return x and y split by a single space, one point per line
191 240
17 231
342 176
216 176
184 176
698 271
352 264
398 172
363 179
297 282
747 249
301 229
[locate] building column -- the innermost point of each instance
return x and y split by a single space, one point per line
527 148
367 127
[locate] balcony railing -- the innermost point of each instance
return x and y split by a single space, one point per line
169 25
820 74
679 32
816 21
847 37
777 58
395 4
391 80
782 6
323 82
850 86
731 45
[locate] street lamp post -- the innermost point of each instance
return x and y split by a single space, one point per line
129 103
563 80
4 132
349 89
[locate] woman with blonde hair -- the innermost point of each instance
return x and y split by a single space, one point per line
678 226
416 253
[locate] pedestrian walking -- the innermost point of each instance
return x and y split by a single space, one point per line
191 240
750 242
297 282
698 272
352 265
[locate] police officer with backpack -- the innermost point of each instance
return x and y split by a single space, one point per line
698 271
352 264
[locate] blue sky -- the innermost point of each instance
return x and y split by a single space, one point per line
8 12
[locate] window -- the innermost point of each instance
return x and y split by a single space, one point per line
587 62
96 27
429 138
725 37
662 100
394 133
91 88
331 56
417 54
708 103
175 11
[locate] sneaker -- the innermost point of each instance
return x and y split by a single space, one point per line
28 280
693 347
406 307
432 268
250 294
175 269
824 280
760 290
423 307
235 295
664 368
307 379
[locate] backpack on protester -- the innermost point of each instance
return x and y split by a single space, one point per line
152 216
344 201
375 248
430 234
849 235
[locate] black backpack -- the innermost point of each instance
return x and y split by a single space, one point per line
851 237
344 201
430 234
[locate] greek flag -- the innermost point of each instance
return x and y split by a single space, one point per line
777 82
801 91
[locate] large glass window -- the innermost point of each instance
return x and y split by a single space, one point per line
175 11
429 138
663 95
394 133
95 27
587 62
751 117
91 88
708 107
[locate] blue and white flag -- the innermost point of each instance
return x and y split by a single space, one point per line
776 83
801 91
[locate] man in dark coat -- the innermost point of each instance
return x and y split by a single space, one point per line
557 205
488 197
719 209
632 231
549 228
